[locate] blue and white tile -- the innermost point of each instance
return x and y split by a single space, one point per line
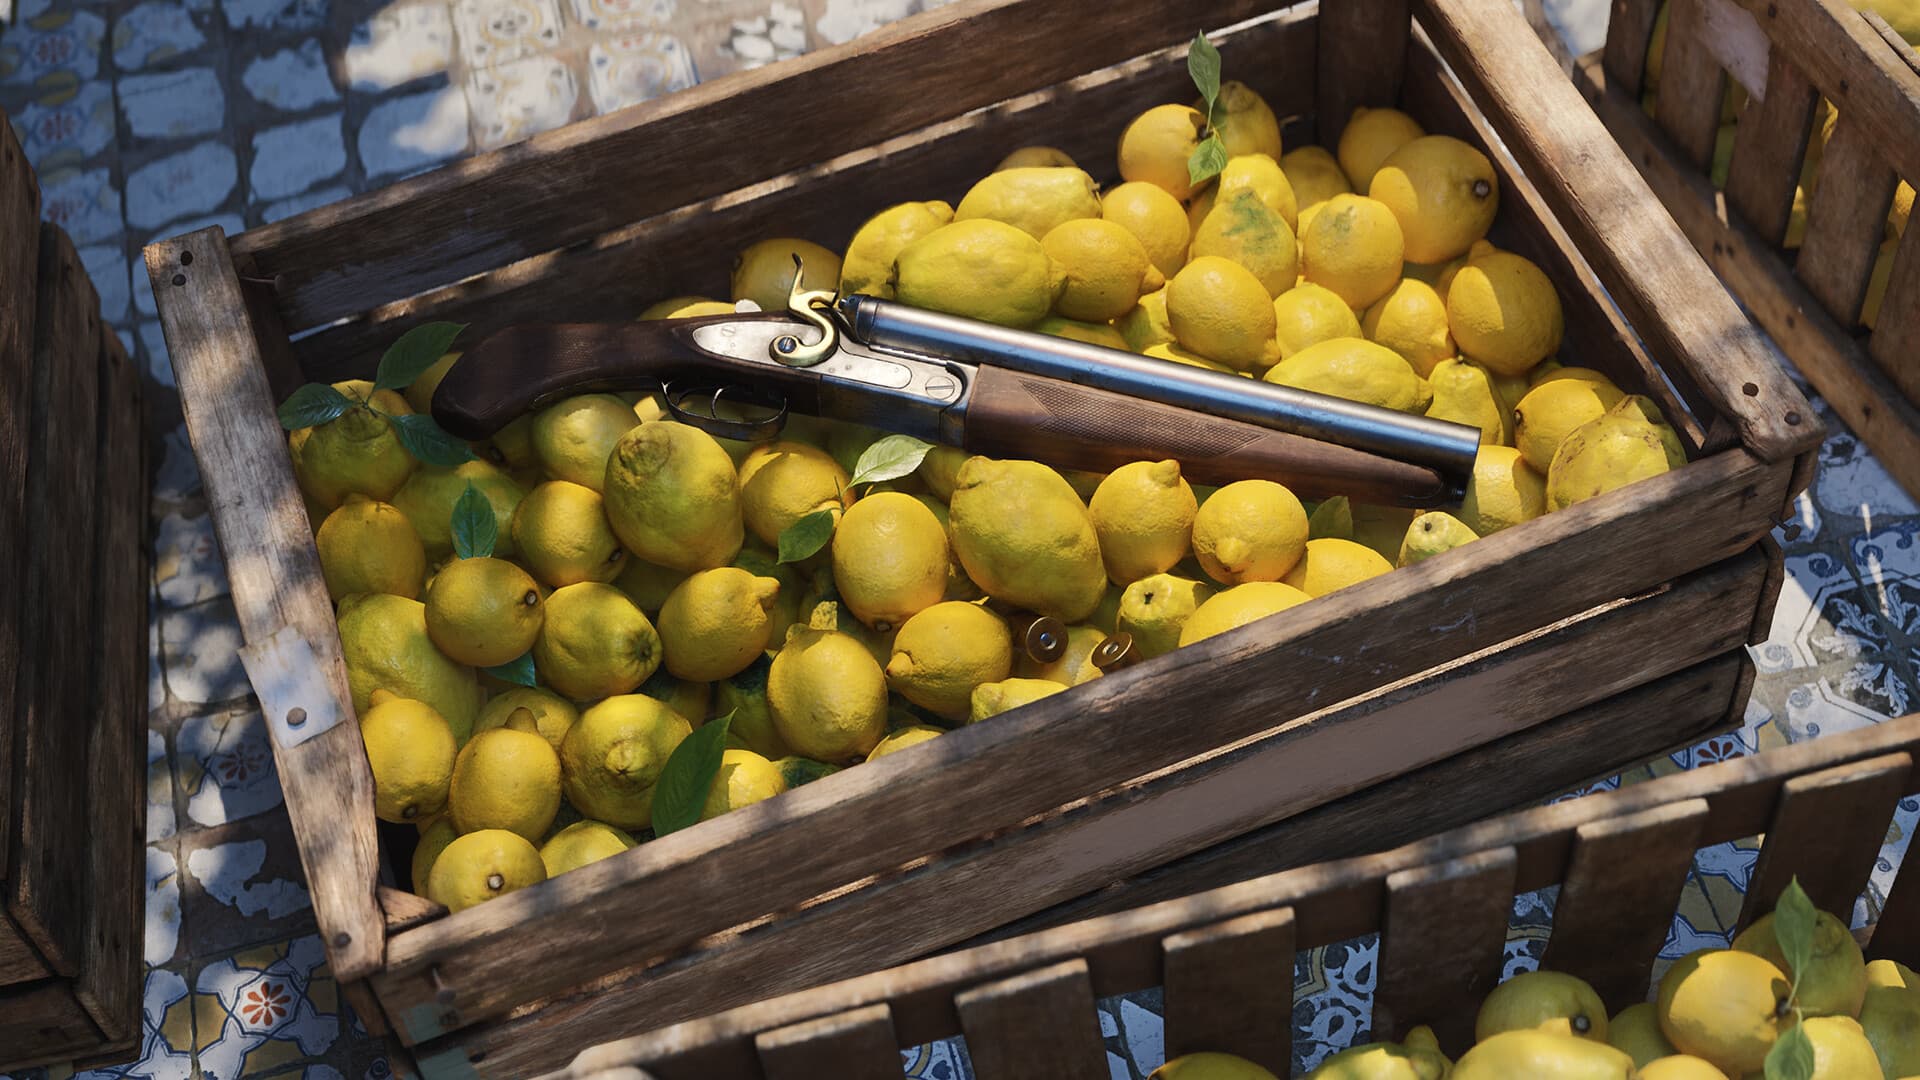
624 15
191 182
413 131
153 33
67 130
262 997
173 104
201 646
242 885
779 34
1333 999
85 202
63 43
398 44
161 822
493 32
303 202
161 939
293 157
628 68
290 79
107 268
187 565
844 20
301 15
522 98
224 767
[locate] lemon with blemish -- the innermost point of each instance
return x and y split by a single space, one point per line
1155 609
1250 530
1552 410
1601 455
764 273
1353 246
868 266
1242 228
483 865
1233 608
411 752
1256 173
673 498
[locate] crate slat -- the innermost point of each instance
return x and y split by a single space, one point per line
1895 344
47 892
1768 147
1629 32
1827 831
854 1045
1616 905
1846 218
1897 937
1362 60
46 1022
1443 940
1229 988
1038 1026
1692 84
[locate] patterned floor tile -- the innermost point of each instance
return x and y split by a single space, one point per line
242 884
525 97
411 132
266 1007
160 813
191 182
628 68
60 46
163 912
187 564
225 770
494 32
290 79
293 157
399 44
201 646
154 33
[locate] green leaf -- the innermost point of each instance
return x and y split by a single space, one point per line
415 352
681 792
312 404
424 440
518 672
1792 1056
475 529
1207 160
889 459
804 537
1203 63
1794 919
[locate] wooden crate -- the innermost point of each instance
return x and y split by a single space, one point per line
1523 656
1441 906
1787 55
73 656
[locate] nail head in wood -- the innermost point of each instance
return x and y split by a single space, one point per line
186 258
179 279
296 716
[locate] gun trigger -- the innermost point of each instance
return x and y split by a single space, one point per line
699 406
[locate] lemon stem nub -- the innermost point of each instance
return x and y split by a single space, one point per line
495 882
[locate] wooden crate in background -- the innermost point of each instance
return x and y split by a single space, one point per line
1787 55
1488 676
73 651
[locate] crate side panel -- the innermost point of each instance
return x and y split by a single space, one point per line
19 273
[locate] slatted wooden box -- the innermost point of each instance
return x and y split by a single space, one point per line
1440 906
1503 671
1787 54
73 658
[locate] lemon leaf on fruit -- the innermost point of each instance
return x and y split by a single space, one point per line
475 528
1792 1055
804 537
1203 63
417 350
681 791
518 672
425 440
312 405
1794 919
1207 160
889 459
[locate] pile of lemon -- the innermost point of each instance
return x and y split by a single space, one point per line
1717 1015
519 704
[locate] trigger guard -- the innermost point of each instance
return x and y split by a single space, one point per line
764 430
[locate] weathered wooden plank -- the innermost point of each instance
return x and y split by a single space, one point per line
42 1024
484 212
1616 903
854 1045
1871 406
1443 937
1895 344
1629 32
19 272
1362 60
1898 935
1827 832
1667 292
1036 1026
275 573
404 909
110 973
1229 988
47 885
1692 84
1846 217
1115 729
1769 147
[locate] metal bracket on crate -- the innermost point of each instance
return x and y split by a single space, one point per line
292 688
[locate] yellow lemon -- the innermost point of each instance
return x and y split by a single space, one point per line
1841 1050
782 482
1035 157
611 759
1636 1030
1314 175
1219 309
744 694
1244 121
1331 518
1504 312
1358 371
506 779
1725 1006
647 585
1502 492
433 840
1024 535
716 623
1353 246
1179 355
1370 137
982 269
1155 218
483 612
551 714
1033 200
581 843
1412 321
1542 1000
428 496
911 735
828 696
594 643
943 652
1330 564
764 563
673 497
744 778
562 535
1552 410
1245 230
764 273
1443 192
482 865
1210 1065
1835 982
1601 455
994 698
1419 1058
1102 334
1143 515
1463 393
1233 608
1432 533
368 546
1146 324
868 267
384 641
355 453
685 307
1106 269
890 558
1890 1018
1892 973
574 437
411 751
1154 609
1250 530
1641 407
1256 173
1155 147
1679 1067
1309 314
1542 1055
